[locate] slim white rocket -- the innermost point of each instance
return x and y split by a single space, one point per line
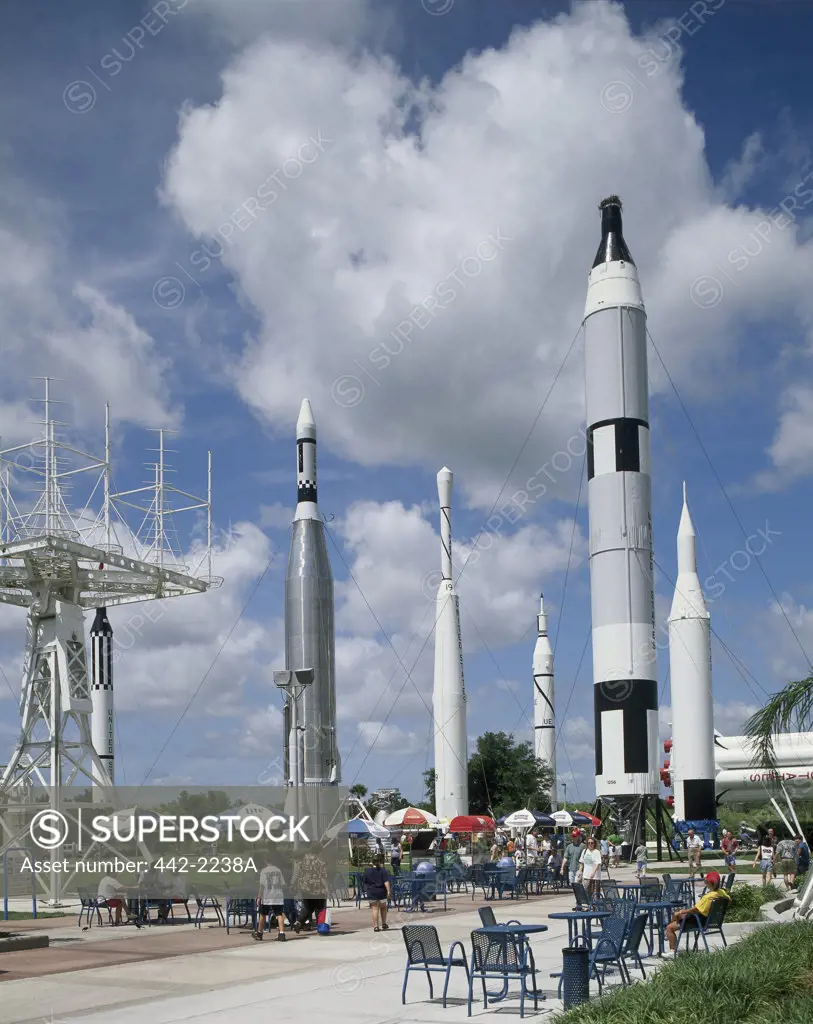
692 761
449 694
544 715
309 629
620 509
101 691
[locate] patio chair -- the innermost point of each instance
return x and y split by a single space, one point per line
478 880
424 954
608 950
205 903
239 912
632 943
713 925
488 918
501 956
728 883
673 890
610 889
583 901
91 905
650 890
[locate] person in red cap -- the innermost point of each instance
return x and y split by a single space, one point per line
701 908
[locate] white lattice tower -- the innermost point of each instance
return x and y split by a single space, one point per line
58 562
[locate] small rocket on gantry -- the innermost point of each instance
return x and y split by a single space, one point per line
544 716
620 512
101 691
449 694
309 630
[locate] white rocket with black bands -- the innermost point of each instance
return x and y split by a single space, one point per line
620 512
101 691
544 715
692 761
309 629
449 694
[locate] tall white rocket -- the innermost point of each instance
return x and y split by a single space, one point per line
692 765
449 695
544 714
101 691
625 689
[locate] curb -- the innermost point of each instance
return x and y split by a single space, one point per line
11 942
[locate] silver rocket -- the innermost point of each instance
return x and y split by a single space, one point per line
692 756
544 715
620 510
449 694
309 631
101 690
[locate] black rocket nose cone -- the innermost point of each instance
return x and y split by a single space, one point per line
612 248
101 623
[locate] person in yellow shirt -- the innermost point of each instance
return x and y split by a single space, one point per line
701 908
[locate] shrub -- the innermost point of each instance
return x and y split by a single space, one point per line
746 901
764 979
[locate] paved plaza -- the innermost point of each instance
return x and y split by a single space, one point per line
178 973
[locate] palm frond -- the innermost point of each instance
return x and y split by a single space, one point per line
789 709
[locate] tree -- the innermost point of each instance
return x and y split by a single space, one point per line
358 790
429 779
505 776
790 708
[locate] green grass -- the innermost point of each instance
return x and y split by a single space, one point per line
16 915
767 978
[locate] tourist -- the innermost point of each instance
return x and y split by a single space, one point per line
395 856
271 901
786 855
496 850
766 855
694 849
590 866
641 859
615 853
310 886
701 908
114 895
802 854
572 857
604 846
531 848
729 846
555 863
376 881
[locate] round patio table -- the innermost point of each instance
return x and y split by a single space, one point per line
573 918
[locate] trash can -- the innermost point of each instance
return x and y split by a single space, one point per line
575 976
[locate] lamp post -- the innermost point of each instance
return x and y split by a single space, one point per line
292 684
564 787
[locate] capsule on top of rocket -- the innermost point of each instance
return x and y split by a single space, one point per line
688 601
306 496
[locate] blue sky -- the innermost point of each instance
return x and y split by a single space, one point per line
433 126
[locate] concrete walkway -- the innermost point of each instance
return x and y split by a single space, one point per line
352 976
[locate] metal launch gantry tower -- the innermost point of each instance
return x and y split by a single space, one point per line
59 559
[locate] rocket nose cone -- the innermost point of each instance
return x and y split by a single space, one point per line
612 247
305 424
445 480
541 604
686 527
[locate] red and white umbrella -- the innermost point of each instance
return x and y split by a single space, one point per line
410 817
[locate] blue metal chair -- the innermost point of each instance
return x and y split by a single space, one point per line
90 906
239 912
608 950
424 954
488 918
650 890
507 881
610 889
583 901
632 943
713 925
502 956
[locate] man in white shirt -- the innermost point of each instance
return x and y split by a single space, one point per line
271 900
114 895
531 848
694 849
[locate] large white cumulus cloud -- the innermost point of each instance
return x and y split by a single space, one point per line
337 247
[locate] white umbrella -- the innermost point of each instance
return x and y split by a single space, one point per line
562 818
410 817
520 819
